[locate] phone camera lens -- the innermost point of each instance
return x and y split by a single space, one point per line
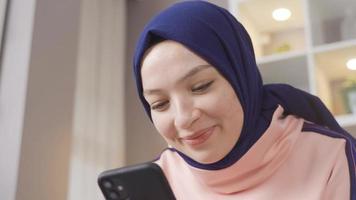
107 184
122 191
113 195
120 188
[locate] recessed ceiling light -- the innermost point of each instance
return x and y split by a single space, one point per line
351 64
281 14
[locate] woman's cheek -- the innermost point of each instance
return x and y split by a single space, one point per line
210 103
164 126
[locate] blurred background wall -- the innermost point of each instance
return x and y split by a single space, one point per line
37 93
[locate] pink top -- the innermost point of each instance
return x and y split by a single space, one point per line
285 163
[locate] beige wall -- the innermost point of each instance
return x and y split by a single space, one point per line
98 140
46 135
61 105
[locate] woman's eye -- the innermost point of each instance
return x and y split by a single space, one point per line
159 106
202 87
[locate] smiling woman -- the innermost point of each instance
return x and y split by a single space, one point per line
192 105
231 136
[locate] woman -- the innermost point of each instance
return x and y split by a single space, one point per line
232 137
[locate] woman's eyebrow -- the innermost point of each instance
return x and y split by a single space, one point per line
189 74
151 92
194 71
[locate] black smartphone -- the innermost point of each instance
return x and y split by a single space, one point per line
138 182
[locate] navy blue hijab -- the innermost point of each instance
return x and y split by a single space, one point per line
216 36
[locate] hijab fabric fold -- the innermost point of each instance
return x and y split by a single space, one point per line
216 36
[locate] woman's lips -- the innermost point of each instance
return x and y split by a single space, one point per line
199 137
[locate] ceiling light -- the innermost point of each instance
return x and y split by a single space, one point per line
281 14
351 64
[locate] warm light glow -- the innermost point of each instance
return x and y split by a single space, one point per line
351 64
281 14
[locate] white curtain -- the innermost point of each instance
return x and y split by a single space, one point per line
98 141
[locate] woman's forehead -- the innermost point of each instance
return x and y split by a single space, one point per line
169 54
170 48
156 83
163 71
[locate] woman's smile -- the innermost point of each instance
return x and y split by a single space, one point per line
198 138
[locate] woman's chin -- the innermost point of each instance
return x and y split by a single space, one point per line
208 159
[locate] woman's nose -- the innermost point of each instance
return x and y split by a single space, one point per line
185 114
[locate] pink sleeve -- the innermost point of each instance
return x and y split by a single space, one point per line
338 185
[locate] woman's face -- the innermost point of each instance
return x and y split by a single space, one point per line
193 107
